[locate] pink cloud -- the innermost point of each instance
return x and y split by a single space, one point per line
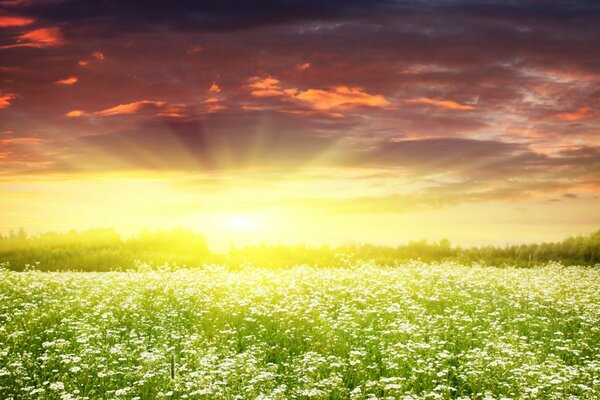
577 115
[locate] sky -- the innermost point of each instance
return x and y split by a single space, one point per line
315 122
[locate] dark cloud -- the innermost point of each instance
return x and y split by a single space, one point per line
197 15
235 14
218 143
443 154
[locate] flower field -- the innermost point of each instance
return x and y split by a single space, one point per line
419 331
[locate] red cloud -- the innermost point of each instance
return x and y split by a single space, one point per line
445 104
43 37
6 22
6 99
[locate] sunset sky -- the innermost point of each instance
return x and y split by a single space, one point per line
302 121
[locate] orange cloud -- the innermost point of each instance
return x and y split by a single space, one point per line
6 22
43 37
265 87
71 80
318 99
267 93
445 104
22 140
340 96
75 113
6 99
213 105
98 55
84 63
161 108
304 66
214 88
579 114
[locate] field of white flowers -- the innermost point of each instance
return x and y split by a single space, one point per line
413 332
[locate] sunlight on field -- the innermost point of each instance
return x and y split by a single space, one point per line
359 331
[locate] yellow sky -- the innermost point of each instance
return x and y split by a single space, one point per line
308 208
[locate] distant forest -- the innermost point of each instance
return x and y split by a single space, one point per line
106 250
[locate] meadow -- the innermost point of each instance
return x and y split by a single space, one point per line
357 331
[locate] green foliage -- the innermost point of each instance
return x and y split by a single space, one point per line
105 250
101 250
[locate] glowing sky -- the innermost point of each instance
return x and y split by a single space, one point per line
302 121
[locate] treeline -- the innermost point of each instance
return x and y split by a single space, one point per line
101 250
106 250
578 250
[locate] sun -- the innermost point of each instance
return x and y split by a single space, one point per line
241 222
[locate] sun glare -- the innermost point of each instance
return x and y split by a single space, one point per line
241 222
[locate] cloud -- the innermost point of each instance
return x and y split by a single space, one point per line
160 108
187 15
213 105
223 142
11 21
214 88
445 104
22 140
75 113
451 155
6 99
43 37
339 97
98 55
265 87
577 115
71 80
481 161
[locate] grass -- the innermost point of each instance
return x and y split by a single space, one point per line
418 331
